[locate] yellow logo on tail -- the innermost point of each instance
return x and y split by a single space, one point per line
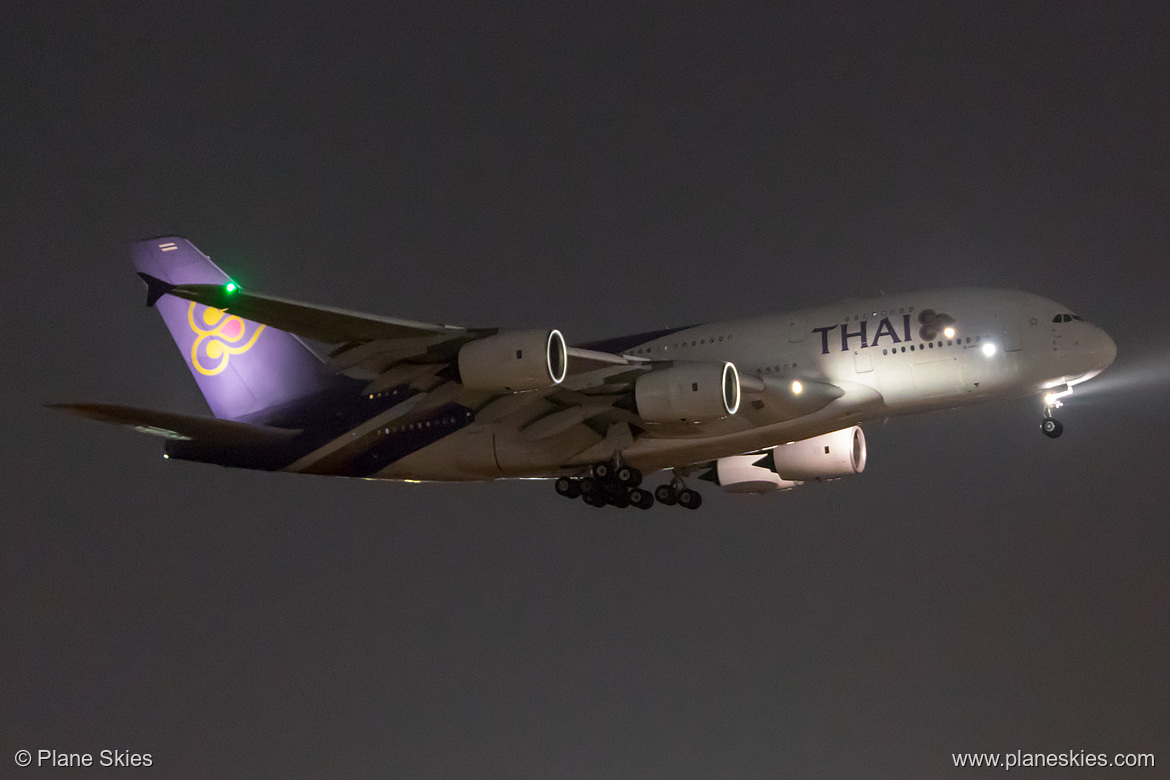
220 339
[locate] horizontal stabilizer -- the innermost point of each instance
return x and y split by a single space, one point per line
182 427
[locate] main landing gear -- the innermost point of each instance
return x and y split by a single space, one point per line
675 492
614 484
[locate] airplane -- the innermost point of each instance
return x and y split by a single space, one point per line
754 405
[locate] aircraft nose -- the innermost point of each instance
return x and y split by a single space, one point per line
1104 349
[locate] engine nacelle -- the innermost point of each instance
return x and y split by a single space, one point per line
740 474
688 392
517 360
836 454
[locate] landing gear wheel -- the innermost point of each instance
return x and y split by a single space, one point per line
612 491
629 476
590 486
689 499
603 471
569 488
643 499
666 494
593 499
1051 428
621 500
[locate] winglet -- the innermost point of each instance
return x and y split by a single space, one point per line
155 288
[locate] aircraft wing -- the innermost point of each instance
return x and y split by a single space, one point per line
319 323
368 345
387 352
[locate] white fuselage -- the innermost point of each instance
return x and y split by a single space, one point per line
893 355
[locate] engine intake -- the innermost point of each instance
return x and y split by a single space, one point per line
517 360
688 392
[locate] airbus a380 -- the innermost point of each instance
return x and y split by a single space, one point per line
753 405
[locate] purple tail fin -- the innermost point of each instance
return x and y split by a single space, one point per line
241 367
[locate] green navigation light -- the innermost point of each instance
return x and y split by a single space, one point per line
231 287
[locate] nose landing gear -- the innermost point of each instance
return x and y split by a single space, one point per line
1050 426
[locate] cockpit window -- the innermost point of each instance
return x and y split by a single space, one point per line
1056 318
1065 318
1077 317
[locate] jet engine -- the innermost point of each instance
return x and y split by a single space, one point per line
836 454
688 392
512 361
832 455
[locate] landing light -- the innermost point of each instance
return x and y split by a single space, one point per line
797 387
949 333
989 349
1052 399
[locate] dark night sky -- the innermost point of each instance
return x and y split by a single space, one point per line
603 169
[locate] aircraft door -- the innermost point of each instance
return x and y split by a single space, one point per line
797 330
1011 339
862 361
971 374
